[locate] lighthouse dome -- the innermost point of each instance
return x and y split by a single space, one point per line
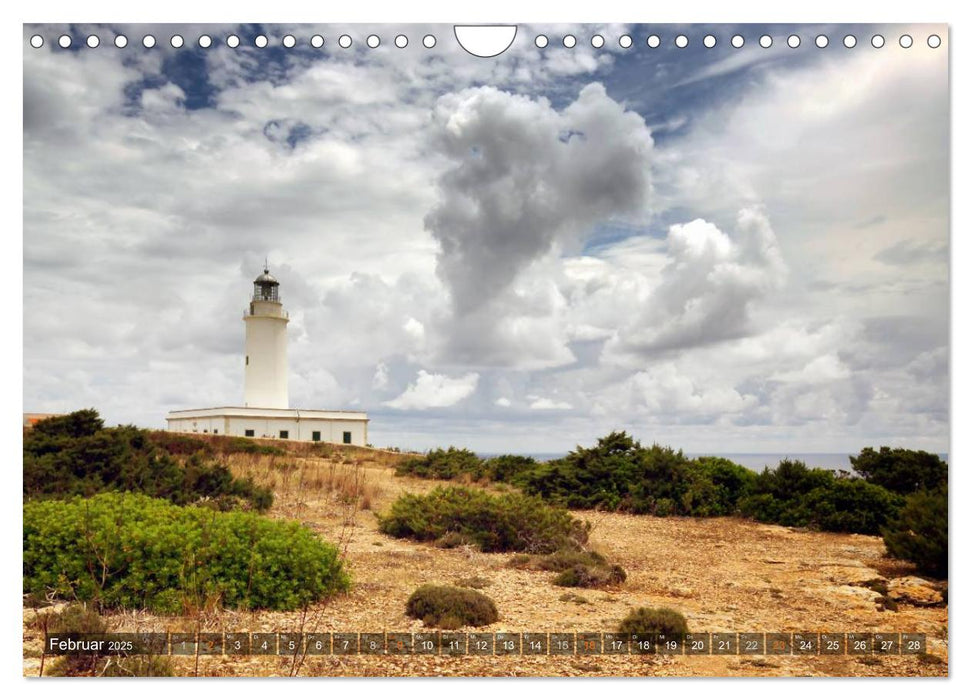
266 278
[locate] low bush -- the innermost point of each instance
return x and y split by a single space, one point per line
453 463
646 621
508 468
919 532
509 522
797 496
131 551
442 464
563 560
618 473
242 445
75 455
583 576
180 443
447 607
901 471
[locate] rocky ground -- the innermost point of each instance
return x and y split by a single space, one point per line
723 574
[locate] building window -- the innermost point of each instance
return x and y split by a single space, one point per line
347 438
249 433
284 434
215 431
315 436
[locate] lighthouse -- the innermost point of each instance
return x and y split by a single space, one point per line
265 384
266 411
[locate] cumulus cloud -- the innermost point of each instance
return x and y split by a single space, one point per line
380 379
525 175
668 389
707 288
547 404
435 391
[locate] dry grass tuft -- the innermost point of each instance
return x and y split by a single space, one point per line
349 481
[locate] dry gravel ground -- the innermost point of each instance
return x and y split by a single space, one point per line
723 574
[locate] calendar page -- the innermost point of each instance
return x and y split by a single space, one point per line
535 350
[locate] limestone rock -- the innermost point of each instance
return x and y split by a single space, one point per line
914 590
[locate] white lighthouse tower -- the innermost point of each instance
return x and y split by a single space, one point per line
265 383
266 412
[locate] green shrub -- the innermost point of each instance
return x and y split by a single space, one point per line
505 523
83 423
442 464
180 443
447 607
901 471
620 474
797 496
716 487
646 621
508 468
583 576
851 505
563 560
131 551
237 445
75 455
919 532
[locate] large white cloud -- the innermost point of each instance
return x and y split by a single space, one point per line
706 289
435 391
526 175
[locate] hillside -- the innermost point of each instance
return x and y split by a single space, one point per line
723 574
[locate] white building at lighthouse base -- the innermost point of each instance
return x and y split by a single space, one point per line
266 412
346 427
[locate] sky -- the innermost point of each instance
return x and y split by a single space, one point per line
722 250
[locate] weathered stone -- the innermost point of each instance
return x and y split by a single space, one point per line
915 591
863 594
